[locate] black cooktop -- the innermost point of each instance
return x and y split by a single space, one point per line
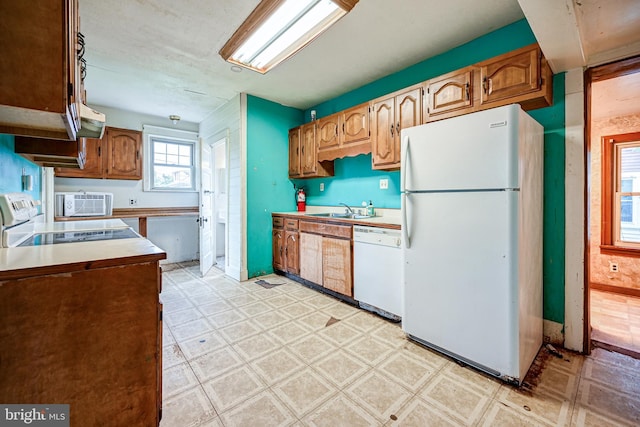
79 236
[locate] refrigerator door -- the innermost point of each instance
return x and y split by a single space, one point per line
460 276
475 151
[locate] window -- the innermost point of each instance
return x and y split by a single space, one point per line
172 160
621 190
276 29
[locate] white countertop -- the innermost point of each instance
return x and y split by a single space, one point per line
383 216
85 225
31 257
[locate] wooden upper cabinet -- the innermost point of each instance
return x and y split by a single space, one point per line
355 124
344 134
389 117
294 153
328 133
308 148
124 154
510 75
383 133
40 88
450 92
118 155
92 165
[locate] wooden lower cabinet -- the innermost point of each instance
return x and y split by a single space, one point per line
336 265
311 257
89 337
285 245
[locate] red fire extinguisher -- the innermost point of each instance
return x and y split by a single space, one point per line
302 200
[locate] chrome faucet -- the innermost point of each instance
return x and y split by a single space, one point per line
348 209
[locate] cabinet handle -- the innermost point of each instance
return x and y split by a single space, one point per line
391 130
398 128
466 87
484 85
138 155
99 151
342 130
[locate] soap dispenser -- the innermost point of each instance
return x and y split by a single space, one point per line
370 210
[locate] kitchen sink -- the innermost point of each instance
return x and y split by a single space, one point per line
339 215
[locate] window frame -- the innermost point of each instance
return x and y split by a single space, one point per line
154 134
611 183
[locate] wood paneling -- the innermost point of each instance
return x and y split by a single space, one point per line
336 265
311 257
88 338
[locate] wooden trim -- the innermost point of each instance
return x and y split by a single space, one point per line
264 9
155 256
620 251
346 5
615 289
615 69
147 212
609 182
616 349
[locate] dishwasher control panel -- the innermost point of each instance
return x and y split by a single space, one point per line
377 236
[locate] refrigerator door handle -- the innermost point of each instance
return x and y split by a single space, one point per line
405 224
405 164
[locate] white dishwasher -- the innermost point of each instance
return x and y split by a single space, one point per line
377 270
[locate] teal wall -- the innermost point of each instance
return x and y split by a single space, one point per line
268 186
354 181
11 165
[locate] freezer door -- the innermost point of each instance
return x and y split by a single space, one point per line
475 151
460 275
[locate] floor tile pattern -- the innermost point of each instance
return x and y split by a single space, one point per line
238 354
615 319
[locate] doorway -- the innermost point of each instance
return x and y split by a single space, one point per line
613 173
220 203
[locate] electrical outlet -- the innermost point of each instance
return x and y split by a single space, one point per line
322 186
384 184
613 267
133 202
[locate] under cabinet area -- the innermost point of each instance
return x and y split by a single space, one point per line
118 155
318 252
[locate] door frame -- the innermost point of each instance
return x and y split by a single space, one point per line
217 139
591 75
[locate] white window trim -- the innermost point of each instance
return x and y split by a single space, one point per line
177 135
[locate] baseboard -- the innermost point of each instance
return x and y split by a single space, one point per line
615 289
553 332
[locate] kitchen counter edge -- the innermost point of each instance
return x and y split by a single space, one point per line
377 221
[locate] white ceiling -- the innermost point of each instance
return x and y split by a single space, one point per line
615 97
160 57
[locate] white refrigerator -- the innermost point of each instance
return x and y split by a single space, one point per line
471 189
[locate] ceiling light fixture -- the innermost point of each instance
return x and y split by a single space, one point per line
175 119
276 29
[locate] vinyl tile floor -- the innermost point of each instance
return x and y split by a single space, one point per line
240 354
615 319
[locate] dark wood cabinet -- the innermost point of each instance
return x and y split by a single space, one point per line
294 153
40 86
63 155
344 134
118 155
303 150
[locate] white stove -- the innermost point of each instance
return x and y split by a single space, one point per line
22 225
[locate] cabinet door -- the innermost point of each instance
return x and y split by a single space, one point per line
291 252
449 93
327 133
308 148
512 75
383 134
124 159
355 124
294 153
310 250
277 242
336 265
93 162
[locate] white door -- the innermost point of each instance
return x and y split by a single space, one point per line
207 242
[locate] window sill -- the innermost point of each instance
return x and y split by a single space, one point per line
620 251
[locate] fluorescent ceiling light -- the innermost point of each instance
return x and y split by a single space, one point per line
277 29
